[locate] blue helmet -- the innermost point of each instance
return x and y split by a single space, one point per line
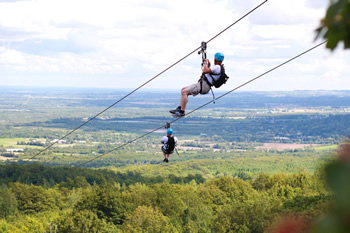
170 131
219 56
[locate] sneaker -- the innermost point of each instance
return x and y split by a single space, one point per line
166 160
179 113
174 111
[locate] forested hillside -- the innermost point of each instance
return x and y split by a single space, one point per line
95 202
309 203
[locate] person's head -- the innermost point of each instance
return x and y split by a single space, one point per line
170 131
218 57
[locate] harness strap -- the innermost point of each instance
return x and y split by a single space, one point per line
203 77
213 95
210 85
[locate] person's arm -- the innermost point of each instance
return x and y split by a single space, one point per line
206 68
163 139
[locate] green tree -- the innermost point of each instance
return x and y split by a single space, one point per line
8 203
142 194
197 217
84 221
108 203
335 26
32 198
252 215
80 182
169 202
262 182
235 189
147 219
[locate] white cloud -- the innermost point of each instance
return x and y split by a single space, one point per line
11 57
134 40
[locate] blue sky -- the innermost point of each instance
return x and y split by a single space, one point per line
122 44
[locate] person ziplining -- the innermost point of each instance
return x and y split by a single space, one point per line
169 144
211 76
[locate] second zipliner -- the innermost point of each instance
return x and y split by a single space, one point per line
211 76
169 142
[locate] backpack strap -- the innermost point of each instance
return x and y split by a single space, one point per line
222 69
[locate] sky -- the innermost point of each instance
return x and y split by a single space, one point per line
125 43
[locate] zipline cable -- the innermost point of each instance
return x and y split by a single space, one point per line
144 84
163 126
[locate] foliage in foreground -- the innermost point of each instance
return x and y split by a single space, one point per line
335 26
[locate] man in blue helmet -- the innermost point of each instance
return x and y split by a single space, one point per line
209 76
169 143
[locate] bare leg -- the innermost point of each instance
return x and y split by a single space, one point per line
168 156
184 98
164 155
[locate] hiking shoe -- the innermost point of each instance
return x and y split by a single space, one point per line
179 113
174 111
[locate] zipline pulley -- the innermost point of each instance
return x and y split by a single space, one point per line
203 51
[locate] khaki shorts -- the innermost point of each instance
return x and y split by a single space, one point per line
195 88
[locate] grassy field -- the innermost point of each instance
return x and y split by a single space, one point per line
12 142
325 148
